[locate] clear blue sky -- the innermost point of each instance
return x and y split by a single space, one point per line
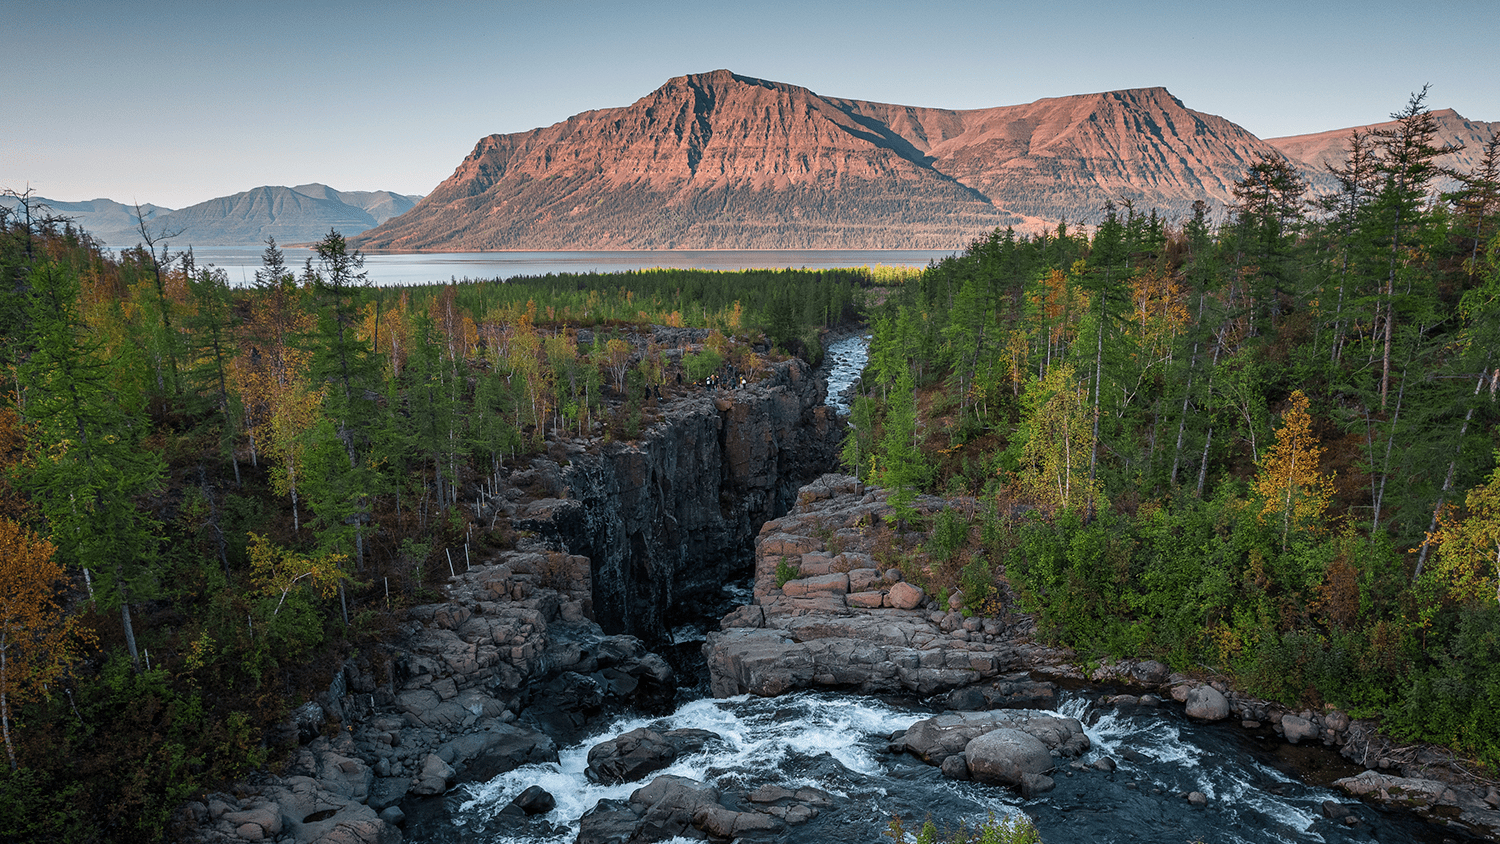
174 103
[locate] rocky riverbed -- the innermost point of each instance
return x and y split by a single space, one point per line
828 615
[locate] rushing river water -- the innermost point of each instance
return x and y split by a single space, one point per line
1257 785
837 743
844 360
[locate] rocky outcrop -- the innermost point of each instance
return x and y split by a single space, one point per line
1429 798
844 623
1015 749
668 520
632 755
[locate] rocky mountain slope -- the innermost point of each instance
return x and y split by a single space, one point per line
1320 150
718 160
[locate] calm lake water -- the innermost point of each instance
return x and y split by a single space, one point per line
441 267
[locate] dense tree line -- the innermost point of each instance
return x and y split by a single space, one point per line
212 496
1263 445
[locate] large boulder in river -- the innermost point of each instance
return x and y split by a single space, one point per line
935 739
630 756
1206 704
667 807
1006 756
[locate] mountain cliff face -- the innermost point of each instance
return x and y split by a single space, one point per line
718 160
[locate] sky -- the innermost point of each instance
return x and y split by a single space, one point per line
174 103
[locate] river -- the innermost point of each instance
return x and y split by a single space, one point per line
837 743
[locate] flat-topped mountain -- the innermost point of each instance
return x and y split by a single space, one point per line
718 160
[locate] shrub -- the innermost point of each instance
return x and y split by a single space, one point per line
1013 829
950 532
785 571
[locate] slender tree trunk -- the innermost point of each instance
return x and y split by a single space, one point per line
135 656
1448 479
10 749
1203 464
1385 471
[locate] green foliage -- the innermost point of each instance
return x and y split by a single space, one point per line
700 365
950 532
978 586
785 571
1012 829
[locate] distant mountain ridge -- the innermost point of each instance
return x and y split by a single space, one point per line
1320 150
301 214
718 160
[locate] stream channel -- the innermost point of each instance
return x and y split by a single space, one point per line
1259 788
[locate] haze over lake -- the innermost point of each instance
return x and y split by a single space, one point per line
441 267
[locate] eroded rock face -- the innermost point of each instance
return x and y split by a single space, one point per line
670 518
1428 798
716 160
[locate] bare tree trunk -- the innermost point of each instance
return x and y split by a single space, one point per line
5 701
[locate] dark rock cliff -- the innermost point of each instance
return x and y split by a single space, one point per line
667 520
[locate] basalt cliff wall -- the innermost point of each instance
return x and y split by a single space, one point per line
667 520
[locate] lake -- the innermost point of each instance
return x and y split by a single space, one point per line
438 267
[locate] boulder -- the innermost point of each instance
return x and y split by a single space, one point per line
720 822
499 748
668 807
629 757
609 822
1034 785
956 767
1149 672
1005 755
434 777
905 596
1206 704
935 739
1296 728
535 800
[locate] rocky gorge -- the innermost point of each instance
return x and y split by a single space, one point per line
534 702
611 540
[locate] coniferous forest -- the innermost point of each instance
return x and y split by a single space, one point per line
1263 447
1261 444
